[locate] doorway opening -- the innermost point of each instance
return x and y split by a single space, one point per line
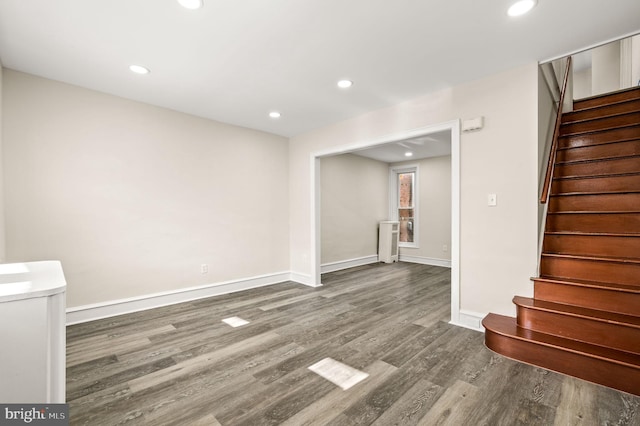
453 127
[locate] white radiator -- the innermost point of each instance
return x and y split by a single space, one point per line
388 241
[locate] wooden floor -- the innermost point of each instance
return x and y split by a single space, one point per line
181 365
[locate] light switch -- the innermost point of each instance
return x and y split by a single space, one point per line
492 200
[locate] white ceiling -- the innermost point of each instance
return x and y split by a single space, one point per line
432 145
236 60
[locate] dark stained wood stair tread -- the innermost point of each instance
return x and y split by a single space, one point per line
598 107
605 124
593 234
572 194
624 288
625 182
595 258
605 98
604 161
508 327
596 212
574 117
608 245
578 311
598 137
600 145
596 176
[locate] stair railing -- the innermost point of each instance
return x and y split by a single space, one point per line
548 178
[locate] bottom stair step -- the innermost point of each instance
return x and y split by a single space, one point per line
609 367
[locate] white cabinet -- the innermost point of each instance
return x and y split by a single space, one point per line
32 331
388 241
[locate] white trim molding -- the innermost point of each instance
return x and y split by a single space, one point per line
349 263
468 319
455 218
394 199
315 249
425 260
304 279
112 308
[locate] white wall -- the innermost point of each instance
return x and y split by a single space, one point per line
547 112
605 68
2 231
498 244
582 83
434 210
133 198
635 60
355 197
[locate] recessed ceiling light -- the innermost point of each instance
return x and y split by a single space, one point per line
521 7
139 69
274 114
191 4
345 84
408 154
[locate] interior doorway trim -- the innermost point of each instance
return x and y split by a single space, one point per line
454 127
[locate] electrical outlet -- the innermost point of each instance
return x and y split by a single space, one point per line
445 248
204 268
492 200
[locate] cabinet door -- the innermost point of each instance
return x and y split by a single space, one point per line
23 361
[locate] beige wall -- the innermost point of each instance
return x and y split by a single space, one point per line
355 197
434 209
133 198
498 244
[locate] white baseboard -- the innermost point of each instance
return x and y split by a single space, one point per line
468 319
112 308
80 314
425 260
350 263
304 279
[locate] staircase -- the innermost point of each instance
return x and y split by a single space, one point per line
584 318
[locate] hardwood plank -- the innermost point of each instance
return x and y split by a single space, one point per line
412 406
454 406
198 363
533 395
379 399
581 405
323 410
215 387
134 374
409 348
